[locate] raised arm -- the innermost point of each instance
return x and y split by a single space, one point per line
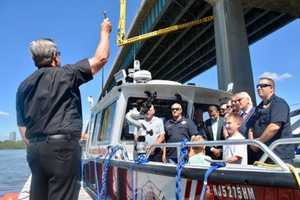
102 51
22 130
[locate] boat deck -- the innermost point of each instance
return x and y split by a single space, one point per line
24 194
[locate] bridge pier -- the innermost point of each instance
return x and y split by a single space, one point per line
232 51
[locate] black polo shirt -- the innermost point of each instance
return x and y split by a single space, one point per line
176 131
276 110
48 101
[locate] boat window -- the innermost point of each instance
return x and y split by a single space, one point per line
96 127
91 124
162 110
203 107
106 122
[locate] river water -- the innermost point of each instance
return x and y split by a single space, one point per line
14 170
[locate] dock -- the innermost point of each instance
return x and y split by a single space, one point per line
24 194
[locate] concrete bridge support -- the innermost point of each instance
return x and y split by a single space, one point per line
233 57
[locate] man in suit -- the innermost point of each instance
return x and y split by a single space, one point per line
214 131
247 110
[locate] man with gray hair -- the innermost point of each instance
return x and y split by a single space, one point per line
49 117
244 101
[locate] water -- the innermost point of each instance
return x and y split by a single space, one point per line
14 170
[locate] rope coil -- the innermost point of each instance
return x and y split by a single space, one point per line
292 169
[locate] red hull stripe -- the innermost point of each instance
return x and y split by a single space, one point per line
198 189
188 189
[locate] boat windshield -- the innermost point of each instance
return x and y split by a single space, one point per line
162 110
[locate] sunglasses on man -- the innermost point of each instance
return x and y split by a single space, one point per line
263 85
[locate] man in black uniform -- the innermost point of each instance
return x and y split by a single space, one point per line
271 121
49 117
177 129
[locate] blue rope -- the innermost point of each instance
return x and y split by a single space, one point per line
214 166
105 171
141 159
179 167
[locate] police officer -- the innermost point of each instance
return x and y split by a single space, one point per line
177 129
49 117
271 121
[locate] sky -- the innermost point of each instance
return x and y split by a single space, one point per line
75 25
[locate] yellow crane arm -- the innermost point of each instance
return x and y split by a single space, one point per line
122 22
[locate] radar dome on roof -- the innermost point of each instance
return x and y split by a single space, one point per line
142 76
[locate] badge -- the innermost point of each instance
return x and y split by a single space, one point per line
183 122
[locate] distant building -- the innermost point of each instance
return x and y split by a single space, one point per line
12 136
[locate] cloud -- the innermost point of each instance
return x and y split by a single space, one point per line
4 113
275 76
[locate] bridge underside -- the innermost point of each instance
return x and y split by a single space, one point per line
184 54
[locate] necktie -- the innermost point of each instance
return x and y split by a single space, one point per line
244 114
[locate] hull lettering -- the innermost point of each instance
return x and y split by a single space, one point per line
233 192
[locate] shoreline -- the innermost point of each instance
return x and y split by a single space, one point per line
12 145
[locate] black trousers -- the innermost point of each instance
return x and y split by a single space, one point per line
55 168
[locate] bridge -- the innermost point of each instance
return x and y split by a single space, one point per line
223 42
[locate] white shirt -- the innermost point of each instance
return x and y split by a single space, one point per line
236 150
214 127
156 125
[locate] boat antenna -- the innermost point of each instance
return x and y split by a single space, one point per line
134 51
102 74
102 79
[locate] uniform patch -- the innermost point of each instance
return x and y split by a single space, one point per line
183 122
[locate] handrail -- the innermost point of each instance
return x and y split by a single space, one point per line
294 113
122 148
277 143
261 145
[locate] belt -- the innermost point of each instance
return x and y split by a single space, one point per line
52 137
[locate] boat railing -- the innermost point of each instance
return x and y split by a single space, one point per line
278 142
123 154
257 143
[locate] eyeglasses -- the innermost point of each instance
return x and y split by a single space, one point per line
239 100
263 85
175 109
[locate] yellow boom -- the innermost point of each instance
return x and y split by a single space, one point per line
122 22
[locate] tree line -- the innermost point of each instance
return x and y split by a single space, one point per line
12 144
